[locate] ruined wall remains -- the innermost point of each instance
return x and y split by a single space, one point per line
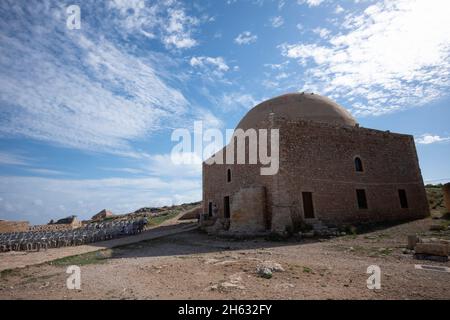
193 213
446 191
57 226
13 226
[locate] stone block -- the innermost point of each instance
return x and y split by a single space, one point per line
435 249
412 241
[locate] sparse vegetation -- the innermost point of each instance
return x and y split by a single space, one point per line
307 270
436 200
84 259
8 272
154 221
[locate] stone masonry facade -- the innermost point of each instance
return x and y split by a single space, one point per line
318 158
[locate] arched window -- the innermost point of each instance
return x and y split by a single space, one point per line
229 175
358 164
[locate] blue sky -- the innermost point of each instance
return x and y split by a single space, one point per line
86 115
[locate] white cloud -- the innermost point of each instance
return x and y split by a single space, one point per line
86 197
172 165
236 100
429 139
338 9
86 92
276 66
322 32
311 3
177 34
390 57
166 20
209 119
45 172
245 37
124 170
277 22
282 75
7 158
217 64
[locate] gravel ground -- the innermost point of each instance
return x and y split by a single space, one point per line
193 265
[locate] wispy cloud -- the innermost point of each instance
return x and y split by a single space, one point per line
8 158
212 65
276 66
390 57
164 20
45 172
237 100
429 139
277 22
61 197
76 89
322 32
245 37
338 9
311 3
124 170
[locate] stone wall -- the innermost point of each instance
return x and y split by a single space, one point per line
319 158
248 207
57 226
193 213
446 191
13 226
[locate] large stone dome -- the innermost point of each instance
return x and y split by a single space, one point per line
298 106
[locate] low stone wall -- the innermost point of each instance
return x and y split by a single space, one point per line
446 191
193 213
14 226
52 227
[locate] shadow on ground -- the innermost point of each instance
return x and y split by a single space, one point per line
192 243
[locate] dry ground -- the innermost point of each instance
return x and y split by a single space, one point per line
194 265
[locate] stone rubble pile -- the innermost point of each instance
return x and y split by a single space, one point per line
428 248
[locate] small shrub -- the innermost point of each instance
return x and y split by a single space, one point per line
307 270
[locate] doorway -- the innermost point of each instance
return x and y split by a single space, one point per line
308 208
210 211
226 207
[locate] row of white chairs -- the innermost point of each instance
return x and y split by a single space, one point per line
93 232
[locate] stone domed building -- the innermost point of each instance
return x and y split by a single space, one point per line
331 171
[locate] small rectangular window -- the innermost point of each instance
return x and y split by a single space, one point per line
362 200
403 199
229 175
210 209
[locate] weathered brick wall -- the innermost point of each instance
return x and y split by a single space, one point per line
319 158
13 226
247 210
216 187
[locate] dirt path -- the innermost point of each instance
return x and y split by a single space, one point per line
193 265
12 260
